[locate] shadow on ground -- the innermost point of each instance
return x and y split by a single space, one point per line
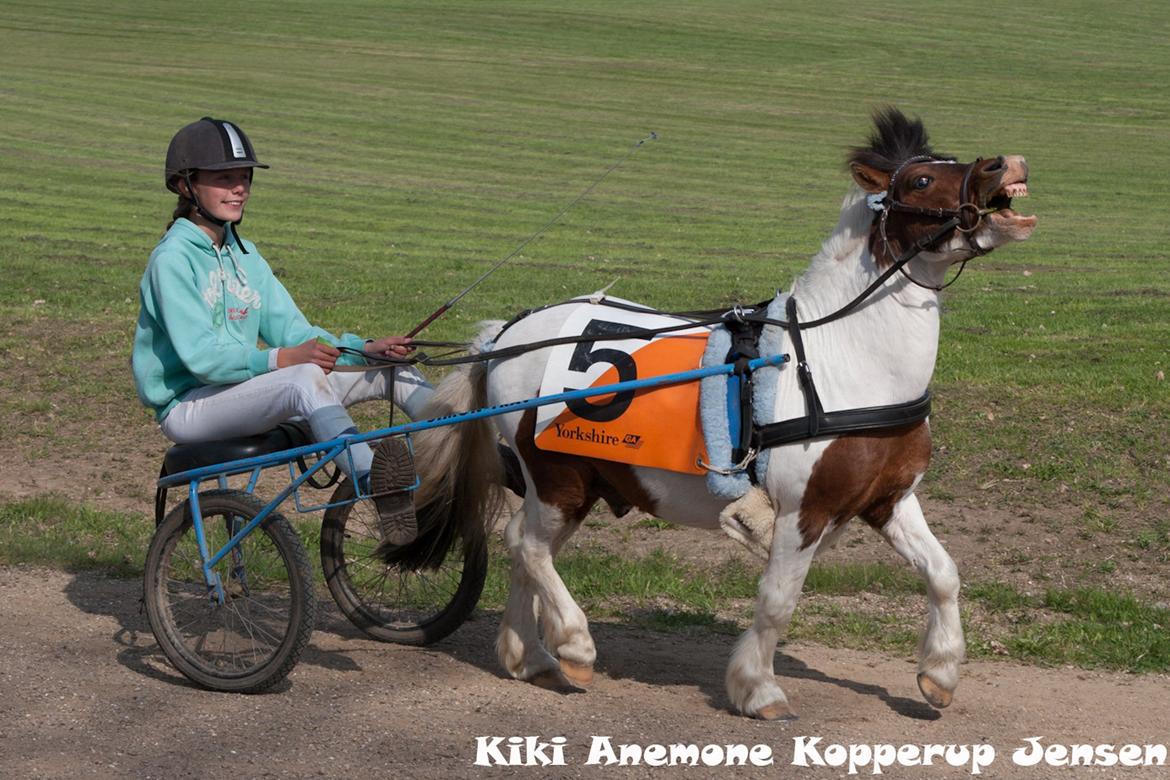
625 652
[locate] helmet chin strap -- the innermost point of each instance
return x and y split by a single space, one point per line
226 225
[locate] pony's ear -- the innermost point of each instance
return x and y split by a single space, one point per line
869 179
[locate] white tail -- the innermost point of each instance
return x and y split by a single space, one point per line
460 467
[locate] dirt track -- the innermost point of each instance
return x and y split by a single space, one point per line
86 693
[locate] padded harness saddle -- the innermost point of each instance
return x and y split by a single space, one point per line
751 439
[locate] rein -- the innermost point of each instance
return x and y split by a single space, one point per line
695 319
965 218
816 422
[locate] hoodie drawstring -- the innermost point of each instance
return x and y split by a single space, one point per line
243 277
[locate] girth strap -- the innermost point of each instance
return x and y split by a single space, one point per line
846 421
812 401
745 337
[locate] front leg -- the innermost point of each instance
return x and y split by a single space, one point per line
941 648
751 679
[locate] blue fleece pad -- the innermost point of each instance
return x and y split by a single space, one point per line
719 405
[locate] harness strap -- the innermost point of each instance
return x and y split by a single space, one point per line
812 402
744 348
846 421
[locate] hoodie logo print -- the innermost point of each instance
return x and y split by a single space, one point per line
217 280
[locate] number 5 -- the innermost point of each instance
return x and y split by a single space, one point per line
584 356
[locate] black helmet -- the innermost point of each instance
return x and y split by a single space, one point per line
209 145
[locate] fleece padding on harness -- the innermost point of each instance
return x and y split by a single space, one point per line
714 416
719 406
765 380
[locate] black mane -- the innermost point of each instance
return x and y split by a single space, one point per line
895 139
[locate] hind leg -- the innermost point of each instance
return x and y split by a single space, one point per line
941 648
533 536
563 624
518 644
751 680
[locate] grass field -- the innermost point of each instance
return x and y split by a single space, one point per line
413 144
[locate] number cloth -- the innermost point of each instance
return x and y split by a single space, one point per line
655 427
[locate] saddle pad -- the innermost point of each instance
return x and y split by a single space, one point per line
655 427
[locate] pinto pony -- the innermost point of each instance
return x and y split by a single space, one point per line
881 353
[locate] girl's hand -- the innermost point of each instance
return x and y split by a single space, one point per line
312 351
391 346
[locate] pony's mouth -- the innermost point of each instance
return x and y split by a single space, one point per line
1001 199
1000 205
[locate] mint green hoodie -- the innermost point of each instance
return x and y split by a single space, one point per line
203 310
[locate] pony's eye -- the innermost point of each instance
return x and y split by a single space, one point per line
922 182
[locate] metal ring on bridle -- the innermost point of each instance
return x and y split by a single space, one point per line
979 212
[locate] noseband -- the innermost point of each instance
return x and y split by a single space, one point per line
967 216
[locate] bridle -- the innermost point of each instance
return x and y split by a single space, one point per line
967 216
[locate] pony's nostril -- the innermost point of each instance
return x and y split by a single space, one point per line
996 165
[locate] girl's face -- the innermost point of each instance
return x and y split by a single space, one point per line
223 193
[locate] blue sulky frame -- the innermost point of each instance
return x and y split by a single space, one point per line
329 450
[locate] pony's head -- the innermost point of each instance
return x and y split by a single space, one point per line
915 191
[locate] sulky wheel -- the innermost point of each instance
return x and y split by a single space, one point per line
254 638
403 601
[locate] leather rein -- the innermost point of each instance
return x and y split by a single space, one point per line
755 438
965 219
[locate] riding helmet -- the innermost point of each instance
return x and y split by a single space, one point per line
208 145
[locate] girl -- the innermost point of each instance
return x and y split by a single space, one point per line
208 297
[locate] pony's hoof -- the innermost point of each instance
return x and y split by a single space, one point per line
777 711
556 681
936 696
577 674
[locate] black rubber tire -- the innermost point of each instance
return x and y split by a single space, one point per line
253 640
389 602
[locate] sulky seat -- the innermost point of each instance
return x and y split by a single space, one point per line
185 457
